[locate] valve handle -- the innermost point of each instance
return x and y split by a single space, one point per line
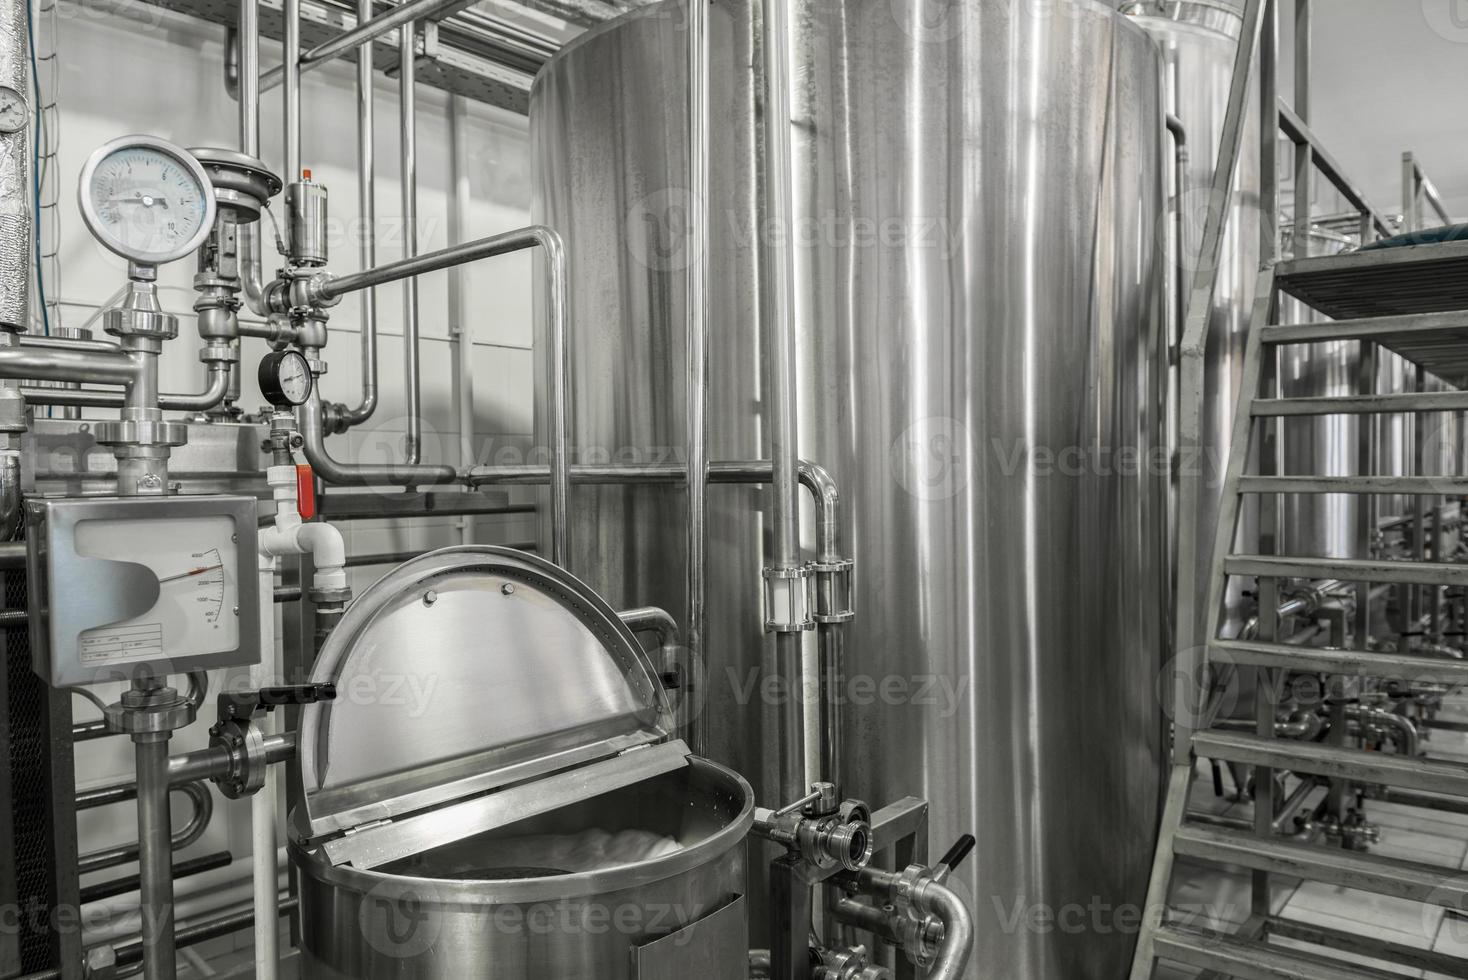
955 856
239 705
305 492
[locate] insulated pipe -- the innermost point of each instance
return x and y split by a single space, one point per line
696 366
408 120
557 304
367 209
778 313
16 220
203 401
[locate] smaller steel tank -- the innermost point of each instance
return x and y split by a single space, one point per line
496 792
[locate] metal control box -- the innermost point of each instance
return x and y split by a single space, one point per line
126 585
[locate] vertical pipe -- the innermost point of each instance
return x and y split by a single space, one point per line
1269 135
458 320
1304 155
367 209
408 107
778 314
265 804
248 38
155 863
16 202
696 378
292 94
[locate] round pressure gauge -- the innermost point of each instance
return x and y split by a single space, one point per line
285 378
147 200
14 114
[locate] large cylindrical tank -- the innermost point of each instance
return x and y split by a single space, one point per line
1199 42
979 238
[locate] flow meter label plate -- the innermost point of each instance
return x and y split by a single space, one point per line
167 584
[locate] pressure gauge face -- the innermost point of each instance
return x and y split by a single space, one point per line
285 378
196 561
147 200
13 111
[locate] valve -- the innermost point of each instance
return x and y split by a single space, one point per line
821 829
237 733
853 963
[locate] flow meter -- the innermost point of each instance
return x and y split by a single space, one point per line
285 378
134 585
147 200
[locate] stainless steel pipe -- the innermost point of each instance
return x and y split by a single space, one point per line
198 795
248 37
408 120
696 363
155 861
219 379
557 286
778 312
291 67
57 364
310 420
363 33
367 210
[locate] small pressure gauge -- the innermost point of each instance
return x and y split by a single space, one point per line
285 378
14 113
147 200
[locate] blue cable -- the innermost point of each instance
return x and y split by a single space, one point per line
36 167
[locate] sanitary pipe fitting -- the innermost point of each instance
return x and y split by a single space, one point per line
833 600
789 599
849 964
828 837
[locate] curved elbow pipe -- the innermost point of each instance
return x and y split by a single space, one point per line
203 401
827 499
958 930
309 422
252 280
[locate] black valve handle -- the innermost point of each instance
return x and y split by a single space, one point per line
236 705
960 850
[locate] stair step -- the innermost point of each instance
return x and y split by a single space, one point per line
1410 880
1422 486
1381 282
1348 570
1350 663
1430 329
1376 768
1247 960
1412 401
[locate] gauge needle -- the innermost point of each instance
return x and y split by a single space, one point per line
190 573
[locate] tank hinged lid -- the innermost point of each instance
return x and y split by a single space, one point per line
466 672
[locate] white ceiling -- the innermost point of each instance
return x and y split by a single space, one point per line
1389 76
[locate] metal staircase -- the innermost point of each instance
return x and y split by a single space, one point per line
1412 301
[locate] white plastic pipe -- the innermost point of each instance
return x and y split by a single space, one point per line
263 805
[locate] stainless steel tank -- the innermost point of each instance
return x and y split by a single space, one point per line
1199 41
980 242
494 792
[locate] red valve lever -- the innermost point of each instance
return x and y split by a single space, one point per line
305 492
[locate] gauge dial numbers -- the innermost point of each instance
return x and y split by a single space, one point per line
15 115
285 378
147 200
195 560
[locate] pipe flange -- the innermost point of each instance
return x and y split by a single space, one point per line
219 354
334 418
330 597
151 324
834 602
142 432
309 291
150 713
242 184
248 761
